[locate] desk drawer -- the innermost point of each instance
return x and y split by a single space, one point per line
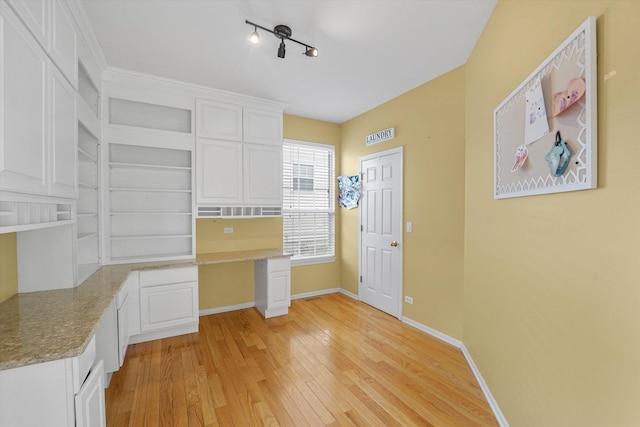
278 264
168 276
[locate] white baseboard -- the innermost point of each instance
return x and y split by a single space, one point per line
476 372
315 293
226 308
250 304
434 333
485 389
349 294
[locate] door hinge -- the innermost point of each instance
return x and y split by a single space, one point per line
360 279
361 228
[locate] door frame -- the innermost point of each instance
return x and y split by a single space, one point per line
397 150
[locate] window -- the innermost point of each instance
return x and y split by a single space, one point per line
308 209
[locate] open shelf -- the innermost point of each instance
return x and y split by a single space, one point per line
150 203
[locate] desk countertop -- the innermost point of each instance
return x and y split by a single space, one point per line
39 327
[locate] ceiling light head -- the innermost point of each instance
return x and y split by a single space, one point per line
311 51
254 37
281 49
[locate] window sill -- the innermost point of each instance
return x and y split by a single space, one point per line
312 260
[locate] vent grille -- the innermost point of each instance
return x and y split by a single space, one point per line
238 211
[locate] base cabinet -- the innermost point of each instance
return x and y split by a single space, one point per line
90 406
273 286
168 303
61 393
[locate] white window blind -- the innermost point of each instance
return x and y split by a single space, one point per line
308 209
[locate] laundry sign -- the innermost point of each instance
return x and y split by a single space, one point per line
380 136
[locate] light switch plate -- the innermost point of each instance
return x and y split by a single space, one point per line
228 230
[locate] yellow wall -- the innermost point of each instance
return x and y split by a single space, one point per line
231 284
429 123
552 282
8 266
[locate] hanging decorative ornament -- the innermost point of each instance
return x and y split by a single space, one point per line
522 152
558 157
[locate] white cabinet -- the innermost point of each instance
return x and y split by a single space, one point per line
262 126
238 160
230 173
107 341
168 301
89 402
235 122
23 125
122 302
64 49
218 120
38 126
63 138
52 25
65 393
262 175
272 283
219 171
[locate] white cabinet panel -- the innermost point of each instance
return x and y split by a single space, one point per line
262 126
64 138
218 120
23 132
218 171
64 50
272 282
262 166
35 16
168 306
123 329
107 340
89 402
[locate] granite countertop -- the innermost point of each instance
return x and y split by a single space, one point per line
39 327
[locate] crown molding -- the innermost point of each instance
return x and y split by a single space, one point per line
123 76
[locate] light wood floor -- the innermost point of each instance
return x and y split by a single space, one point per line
330 361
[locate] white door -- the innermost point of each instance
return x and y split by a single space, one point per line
381 231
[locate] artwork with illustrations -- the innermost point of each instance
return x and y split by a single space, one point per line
348 191
535 125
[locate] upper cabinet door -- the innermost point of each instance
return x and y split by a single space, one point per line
218 172
218 120
262 175
64 50
35 15
23 98
63 138
262 126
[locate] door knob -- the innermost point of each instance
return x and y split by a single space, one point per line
394 243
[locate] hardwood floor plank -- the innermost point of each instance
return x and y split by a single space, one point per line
331 361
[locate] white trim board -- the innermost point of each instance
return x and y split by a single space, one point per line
476 372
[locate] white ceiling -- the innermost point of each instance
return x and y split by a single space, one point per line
370 51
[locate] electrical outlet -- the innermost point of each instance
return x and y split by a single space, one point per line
408 300
409 227
228 230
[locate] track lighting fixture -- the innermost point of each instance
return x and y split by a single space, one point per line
283 33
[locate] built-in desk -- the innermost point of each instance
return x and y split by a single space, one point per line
272 277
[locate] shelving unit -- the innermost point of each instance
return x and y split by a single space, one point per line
150 203
88 206
23 213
